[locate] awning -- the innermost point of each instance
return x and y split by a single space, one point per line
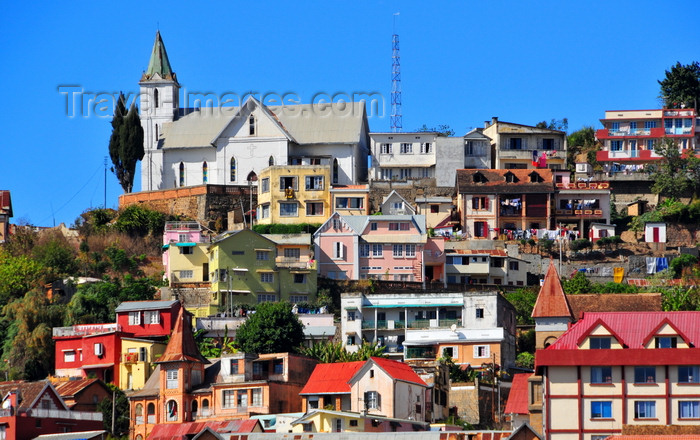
185 244
299 271
239 269
265 270
166 246
96 366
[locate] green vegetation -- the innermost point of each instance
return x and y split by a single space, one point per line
524 301
675 174
125 143
581 141
273 328
457 373
121 412
681 262
525 360
681 86
330 352
300 228
670 210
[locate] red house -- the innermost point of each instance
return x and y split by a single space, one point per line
147 319
30 409
88 349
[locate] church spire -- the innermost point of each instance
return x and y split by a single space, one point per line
159 63
182 346
551 300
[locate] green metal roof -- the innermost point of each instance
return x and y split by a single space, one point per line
159 62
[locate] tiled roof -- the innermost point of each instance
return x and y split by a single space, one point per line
29 391
614 302
551 301
398 370
331 378
517 399
496 182
633 328
181 346
177 431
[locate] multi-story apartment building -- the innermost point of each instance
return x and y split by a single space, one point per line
628 137
610 370
494 200
185 254
403 156
292 194
488 266
580 202
470 326
381 247
518 146
477 149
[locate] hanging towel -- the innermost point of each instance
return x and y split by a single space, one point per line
619 274
661 264
606 271
651 265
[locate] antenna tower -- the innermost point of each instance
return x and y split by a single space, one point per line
396 116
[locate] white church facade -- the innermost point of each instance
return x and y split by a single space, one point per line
231 145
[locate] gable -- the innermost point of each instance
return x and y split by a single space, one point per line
600 331
666 329
263 124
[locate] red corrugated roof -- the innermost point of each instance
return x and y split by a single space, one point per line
177 431
633 328
517 399
551 301
331 378
398 370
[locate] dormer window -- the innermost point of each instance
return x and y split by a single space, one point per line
511 178
251 125
479 178
665 342
536 178
600 343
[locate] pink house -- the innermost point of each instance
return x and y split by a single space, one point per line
386 247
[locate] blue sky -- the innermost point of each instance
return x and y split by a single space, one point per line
462 63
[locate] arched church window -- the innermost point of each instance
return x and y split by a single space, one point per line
155 98
205 172
233 169
271 161
151 413
205 407
139 414
335 170
182 174
251 125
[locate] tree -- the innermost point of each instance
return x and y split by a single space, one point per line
524 301
554 124
676 173
121 412
273 328
681 86
328 352
577 284
441 130
679 263
125 143
18 275
581 141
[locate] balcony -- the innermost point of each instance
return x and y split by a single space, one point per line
85 329
61 414
604 133
295 263
583 186
420 353
130 358
368 324
182 226
553 154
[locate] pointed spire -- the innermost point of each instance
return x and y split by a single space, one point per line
551 301
181 346
159 63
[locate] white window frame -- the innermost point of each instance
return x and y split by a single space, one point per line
410 251
385 148
69 356
377 250
171 379
135 318
426 148
228 399
406 148
265 210
267 277
289 213
186 274
398 251
314 183
486 351
338 250
265 185
152 317
372 400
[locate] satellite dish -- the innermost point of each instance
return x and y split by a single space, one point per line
453 327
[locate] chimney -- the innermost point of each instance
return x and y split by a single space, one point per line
494 119
486 124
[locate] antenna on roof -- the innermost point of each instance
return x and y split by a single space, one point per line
396 116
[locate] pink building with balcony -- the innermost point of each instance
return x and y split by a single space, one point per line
386 247
630 136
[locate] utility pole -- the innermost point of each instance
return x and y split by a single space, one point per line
104 206
114 400
396 119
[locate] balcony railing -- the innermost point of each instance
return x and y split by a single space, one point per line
381 325
419 323
85 329
182 226
583 185
367 324
679 113
420 353
61 414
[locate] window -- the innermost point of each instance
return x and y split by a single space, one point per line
134 318
171 379
242 400
479 313
403 226
292 253
497 262
615 126
434 209
69 356
514 265
649 124
689 409
377 250
257 396
616 145
665 342
398 250
600 343
688 374
364 250
278 366
511 178
205 172
480 203
601 410
267 277
186 274
314 208
299 278
186 250
338 250
372 400
516 143
650 144
314 183
644 374
349 203
262 255
156 101
601 375
266 297
298 298
171 411
271 161
385 149
251 125
351 340
644 409
265 211
288 182
153 316
234 366
450 351
547 144
404 173
387 173
228 398
139 414
336 171
426 148
289 209
410 250
265 185
353 423
406 148
182 174
481 351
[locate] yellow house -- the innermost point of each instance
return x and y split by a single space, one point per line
137 362
350 199
293 194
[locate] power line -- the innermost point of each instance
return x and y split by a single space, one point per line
74 195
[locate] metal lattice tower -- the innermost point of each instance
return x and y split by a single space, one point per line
396 116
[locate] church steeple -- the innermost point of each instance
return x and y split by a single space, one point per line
552 312
159 64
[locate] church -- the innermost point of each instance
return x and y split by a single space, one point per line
232 145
